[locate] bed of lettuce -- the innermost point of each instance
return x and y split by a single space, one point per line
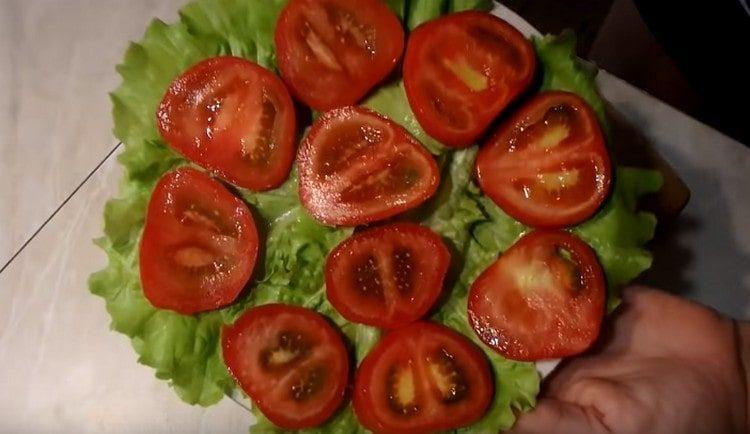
185 350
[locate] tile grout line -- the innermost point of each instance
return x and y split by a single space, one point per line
64 202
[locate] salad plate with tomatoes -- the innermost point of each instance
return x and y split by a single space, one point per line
364 215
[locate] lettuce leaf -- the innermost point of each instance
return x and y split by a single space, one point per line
619 232
479 231
184 350
390 101
563 70
421 11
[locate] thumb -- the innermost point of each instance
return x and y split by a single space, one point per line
553 415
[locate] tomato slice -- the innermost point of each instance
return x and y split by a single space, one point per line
548 165
422 378
462 70
387 276
290 362
542 299
356 167
199 244
332 52
234 118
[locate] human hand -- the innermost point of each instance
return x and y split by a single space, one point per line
663 365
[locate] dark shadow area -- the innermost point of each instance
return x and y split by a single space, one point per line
695 252
671 257
631 148
585 17
644 43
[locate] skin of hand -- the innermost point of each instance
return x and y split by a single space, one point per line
662 365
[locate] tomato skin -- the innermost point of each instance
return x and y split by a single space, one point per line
246 346
195 226
557 311
456 109
508 167
234 118
357 167
414 347
356 69
410 263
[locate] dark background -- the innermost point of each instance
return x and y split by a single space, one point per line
692 55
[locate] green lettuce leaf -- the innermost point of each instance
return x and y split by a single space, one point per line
185 351
563 70
619 231
467 5
398 7
478 231
390 101
421 11
241 28
182 349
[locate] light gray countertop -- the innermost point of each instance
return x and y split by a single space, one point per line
62 370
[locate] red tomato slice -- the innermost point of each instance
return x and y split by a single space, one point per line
548 165
462 70
387 276
234 118
356 167
199 244
542 299
290 362
422 378
332 52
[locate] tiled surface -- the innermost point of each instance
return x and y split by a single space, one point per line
62 370
57 62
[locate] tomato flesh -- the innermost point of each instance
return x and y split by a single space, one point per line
290 362
232 117
387 276
462 70
542 299
332 52
424 378
548 165
356 167
199 244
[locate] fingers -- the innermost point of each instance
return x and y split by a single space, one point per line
661 324
655 323
552 415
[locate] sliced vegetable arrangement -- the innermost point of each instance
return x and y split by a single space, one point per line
199 244
462 70
422 377
290 361
387 276
332 52
357 167
542 299
432 314
566 173
234 118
